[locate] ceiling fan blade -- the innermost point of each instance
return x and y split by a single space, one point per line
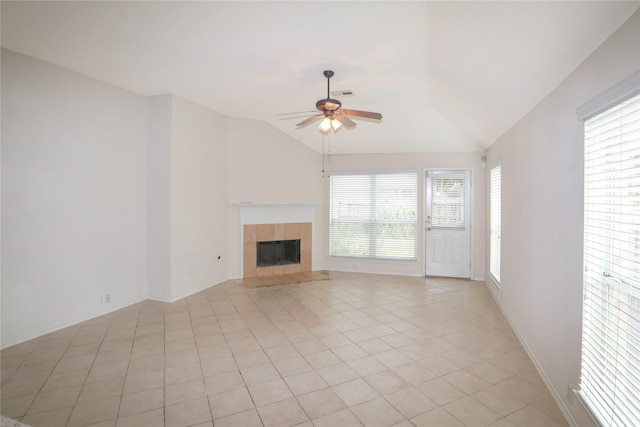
298 116
296 112
345 121
309 120
359 113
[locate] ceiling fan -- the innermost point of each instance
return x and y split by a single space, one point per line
334 115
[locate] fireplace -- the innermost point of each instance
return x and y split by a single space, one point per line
270 235
278 252
265 222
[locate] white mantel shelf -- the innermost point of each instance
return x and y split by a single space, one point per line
278 212
274 204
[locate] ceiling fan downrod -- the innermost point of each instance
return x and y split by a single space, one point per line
328 74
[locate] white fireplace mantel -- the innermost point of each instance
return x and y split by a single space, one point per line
270 213
273 213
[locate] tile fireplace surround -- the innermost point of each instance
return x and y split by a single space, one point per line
254 233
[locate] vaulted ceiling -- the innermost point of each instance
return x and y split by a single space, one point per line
446 75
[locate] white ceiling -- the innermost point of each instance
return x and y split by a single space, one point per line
446 76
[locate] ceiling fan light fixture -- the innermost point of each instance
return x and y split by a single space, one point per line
329 123
325 124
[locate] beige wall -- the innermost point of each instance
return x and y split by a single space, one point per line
74 197
542 211
268 166
188 184
199 195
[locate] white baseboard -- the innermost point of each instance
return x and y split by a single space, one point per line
75 321
195 291
563 408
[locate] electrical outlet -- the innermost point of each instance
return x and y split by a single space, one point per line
104 299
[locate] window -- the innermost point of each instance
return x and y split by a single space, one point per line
447 202
374 215
495 221
610 368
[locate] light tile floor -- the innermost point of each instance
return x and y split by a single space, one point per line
357 349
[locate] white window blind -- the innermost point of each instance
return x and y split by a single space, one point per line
374 215
610 369
495 220
447 202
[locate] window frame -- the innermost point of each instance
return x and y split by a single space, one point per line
607 327
497 250
372 254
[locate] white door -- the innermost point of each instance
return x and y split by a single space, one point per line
448 224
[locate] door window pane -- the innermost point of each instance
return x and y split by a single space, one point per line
447 202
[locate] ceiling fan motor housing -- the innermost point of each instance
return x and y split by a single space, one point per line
328 104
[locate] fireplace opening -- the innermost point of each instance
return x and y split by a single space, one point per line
278 252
